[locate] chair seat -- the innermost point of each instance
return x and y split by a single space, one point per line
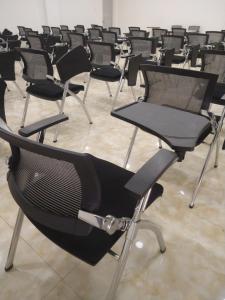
116 201
178 59
48 90
108 73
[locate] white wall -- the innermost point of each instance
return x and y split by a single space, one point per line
34 13
210 14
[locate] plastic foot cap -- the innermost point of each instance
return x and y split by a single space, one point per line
7 269
191 205
163 250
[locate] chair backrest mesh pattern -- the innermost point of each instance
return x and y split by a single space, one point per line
56 31
35 42
36 65
94 33
158 32
109 37
76 39
194 28
32 33
134 28
179 31
46 29
64 27
181 89
133 68
117 30
215 36
21 31
141 46
176 26
172 42
214 62
65 36
102 54
79 29
138 33
7 66
195 39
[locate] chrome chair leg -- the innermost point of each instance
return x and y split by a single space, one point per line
14 241
130 147
83 106
122 261
121 90
87 88
146 224
117 92
200 179
108 88
217 153
25 110
160 144
133 93
19 89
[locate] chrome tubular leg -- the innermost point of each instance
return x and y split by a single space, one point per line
83 106
140 77
108 88
122 262
133 93
215 138
145 224
25 110
160 144
117 92
19 89
121 90
130 147
87 88
217 152
14 241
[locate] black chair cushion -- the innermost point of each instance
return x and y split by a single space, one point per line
178 59
116 201
48 90
108 73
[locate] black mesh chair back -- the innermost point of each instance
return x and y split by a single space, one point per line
27 30
64 27
215 36
32 33
134 28
46 30
21 31
9 37
99 27
37 65
194 28
133 68
109 37
94 33
179 31
179 88
102 54
65 36
213 61
167 57
2 102
195 39
176 26
117 30
7 66
56 31
173 42
158 32
79 29
35 42
138 33
73 63
76 39
194 53
143 46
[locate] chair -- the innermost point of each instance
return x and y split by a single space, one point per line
99 27
7 68
117 30
38 72
194 28
144 46
215 37
56 31
178 31
46 30
76 39
35 42
64 27
176 26
133 28
94 34
139 33
79 29
22 33
111 37
182 89
195 39
158 32
81 203
177 43
105 69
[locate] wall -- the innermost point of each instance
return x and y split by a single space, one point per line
34 13
210 14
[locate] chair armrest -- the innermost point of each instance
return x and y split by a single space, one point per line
141 182
42 125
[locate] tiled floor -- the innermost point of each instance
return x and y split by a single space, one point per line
193 267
